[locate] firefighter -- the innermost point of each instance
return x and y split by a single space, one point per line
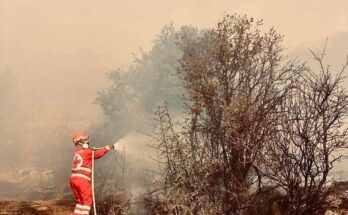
80 180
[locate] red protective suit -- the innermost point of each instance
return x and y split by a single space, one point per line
80 181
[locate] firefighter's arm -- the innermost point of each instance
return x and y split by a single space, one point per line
101 152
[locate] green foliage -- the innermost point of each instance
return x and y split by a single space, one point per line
132 95
148 82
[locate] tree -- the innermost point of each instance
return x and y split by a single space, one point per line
308 141
234 79
132 95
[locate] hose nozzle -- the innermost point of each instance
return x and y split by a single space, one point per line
114 145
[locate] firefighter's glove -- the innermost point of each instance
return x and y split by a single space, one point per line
109 147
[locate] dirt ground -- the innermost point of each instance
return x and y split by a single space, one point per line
36 208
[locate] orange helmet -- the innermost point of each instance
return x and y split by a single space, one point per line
80 136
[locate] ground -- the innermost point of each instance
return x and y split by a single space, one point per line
36 208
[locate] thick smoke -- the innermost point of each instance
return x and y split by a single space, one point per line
129 103
40 149
9 153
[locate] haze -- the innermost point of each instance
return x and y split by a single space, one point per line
57 52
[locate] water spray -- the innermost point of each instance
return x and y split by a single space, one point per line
136 148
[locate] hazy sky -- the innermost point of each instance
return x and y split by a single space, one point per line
60 35
59 50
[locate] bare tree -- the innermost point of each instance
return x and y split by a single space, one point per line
310 134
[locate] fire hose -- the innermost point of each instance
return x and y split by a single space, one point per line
92 179
93 197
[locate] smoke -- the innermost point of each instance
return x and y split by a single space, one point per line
138 150
128 103
9 120
336 52
139 163
57 56
136 158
